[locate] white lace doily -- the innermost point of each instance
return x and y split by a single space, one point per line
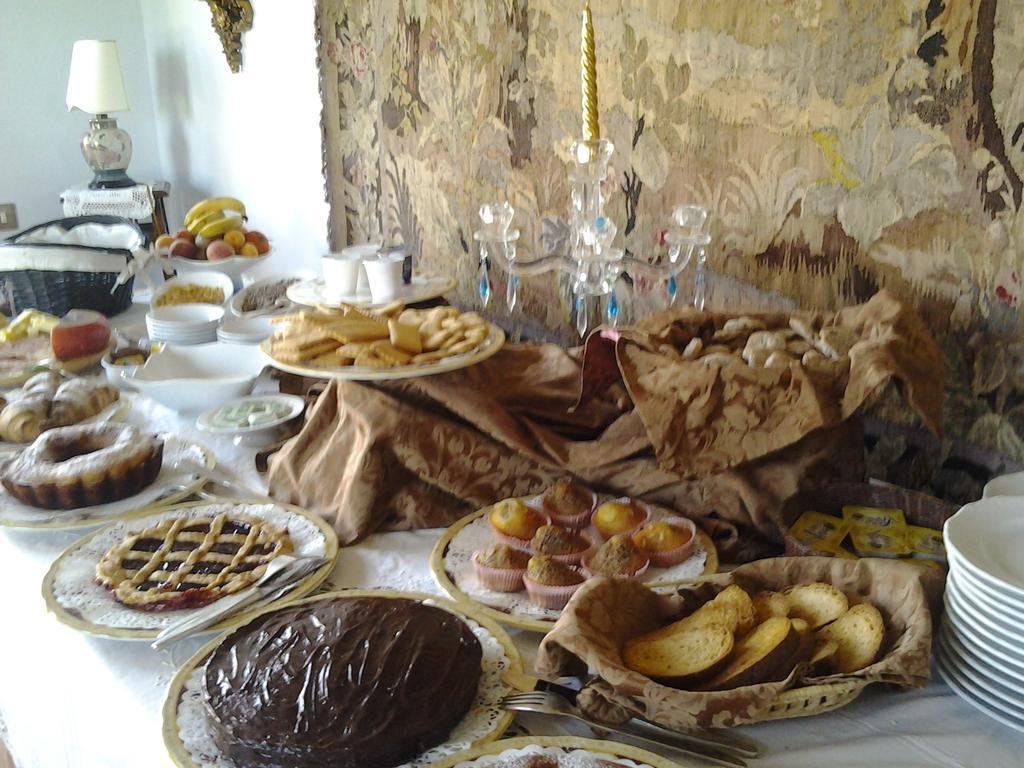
184 464
479 535
74 583
128 202
479 722
565 757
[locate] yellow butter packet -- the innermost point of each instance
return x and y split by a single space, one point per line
883 542
925 543
873 518
822 532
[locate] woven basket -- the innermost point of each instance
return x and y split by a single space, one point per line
56 291
813 699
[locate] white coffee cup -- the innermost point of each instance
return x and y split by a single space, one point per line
364 252
341 273
385 276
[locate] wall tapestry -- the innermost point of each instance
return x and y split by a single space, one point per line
841 146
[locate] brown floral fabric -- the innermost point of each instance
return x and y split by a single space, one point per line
606 612
423 452
705 418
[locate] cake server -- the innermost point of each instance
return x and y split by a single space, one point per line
283 574
547 702
740 745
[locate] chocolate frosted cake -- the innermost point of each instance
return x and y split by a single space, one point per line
358 682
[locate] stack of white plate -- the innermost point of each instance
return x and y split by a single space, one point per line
184 323
981 643
238 330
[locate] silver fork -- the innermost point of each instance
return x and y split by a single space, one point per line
283 574
694 745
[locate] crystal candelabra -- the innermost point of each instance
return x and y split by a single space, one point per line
591 259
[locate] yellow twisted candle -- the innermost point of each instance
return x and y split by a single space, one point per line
588 74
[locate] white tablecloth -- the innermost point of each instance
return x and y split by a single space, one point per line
68 699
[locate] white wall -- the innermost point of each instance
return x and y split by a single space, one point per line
39 138
254 135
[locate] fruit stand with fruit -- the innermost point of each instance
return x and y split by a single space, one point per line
214 229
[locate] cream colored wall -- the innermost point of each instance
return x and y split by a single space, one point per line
255 134
39 138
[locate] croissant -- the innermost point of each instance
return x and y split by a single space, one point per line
77 400
42 383
22 421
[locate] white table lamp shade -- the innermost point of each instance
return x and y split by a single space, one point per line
95 83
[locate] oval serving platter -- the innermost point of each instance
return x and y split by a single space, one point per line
182 696
536 619
72 595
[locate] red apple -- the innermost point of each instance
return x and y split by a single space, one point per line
184 234
184 249
218 249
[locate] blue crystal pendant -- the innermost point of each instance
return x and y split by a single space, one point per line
671 290
611 311
484 283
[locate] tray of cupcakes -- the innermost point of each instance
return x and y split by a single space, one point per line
521 559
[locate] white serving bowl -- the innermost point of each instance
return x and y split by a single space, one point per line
185 316
205 279
114 372
235 305
193 379
233 267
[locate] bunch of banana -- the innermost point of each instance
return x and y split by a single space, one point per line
214 216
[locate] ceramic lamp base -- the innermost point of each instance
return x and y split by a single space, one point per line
111 180
108 150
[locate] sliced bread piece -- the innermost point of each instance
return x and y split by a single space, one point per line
763 655
683 658
858 633
731 608
769 604
816 603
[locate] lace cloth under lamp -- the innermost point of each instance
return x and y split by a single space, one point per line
96 85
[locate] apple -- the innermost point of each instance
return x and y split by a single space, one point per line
164 241
258 239
184 234
218 249
182 248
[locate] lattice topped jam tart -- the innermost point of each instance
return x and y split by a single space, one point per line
187 562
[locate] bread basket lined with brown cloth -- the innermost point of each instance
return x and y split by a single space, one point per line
606 612
424 452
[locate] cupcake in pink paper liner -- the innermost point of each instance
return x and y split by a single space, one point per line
500 567
668 541
616 557
550 583
515 522
620 516
560 544
569 504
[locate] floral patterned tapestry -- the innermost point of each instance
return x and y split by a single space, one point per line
841 146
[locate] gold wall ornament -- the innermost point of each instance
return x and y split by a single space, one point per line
588 77
231 18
